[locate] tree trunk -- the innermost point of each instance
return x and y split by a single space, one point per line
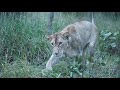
50 21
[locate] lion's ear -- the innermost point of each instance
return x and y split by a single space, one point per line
70 30
66 35
49 37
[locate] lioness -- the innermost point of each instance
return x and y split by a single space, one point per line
72 41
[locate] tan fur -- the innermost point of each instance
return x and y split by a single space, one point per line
75 39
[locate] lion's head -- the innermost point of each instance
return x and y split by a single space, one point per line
59 42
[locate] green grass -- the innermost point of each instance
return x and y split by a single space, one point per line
24 49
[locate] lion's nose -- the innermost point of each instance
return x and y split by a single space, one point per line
56 53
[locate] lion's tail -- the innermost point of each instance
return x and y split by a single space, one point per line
92 18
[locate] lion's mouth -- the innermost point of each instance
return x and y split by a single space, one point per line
59 56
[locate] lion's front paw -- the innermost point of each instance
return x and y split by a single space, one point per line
46 71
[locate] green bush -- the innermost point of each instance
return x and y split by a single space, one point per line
109 42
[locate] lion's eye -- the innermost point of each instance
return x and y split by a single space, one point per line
52 44
60 43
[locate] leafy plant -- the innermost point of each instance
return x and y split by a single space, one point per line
108 41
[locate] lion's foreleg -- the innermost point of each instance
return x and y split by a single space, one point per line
52 61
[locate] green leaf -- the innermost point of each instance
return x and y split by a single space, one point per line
116 33
71 74
113 45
